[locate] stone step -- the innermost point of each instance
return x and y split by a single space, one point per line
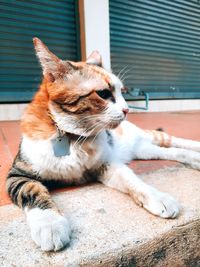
110 230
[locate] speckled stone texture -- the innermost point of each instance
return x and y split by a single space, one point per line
110 230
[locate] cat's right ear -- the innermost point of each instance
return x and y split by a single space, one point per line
52 66
95 59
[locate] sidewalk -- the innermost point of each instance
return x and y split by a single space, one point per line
108 228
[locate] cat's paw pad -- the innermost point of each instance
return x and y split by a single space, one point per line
161 204
49 230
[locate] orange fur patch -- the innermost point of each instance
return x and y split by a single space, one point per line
160 138
94 70
36 122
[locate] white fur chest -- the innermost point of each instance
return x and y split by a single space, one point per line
41 156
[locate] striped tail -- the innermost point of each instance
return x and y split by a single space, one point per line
164 140
160 138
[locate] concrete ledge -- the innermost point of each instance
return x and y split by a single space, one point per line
110 230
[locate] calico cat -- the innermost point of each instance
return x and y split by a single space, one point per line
74 131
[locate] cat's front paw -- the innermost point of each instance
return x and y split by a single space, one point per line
161 204
49 229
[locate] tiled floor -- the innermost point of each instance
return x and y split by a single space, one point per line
180 124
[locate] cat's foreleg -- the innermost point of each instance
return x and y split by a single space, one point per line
122 178
49 229
147 150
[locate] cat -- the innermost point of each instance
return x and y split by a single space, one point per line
75 131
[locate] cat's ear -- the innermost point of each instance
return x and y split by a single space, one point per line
52 66
95 59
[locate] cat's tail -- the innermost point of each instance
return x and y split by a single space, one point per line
163 139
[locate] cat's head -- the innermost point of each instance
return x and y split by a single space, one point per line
83 97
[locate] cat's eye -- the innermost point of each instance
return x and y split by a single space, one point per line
105 94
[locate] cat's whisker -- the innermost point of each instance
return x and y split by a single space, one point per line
79 140
126 77
88 118
84 140
84 135
96 135
92 118
111 116
125 72
122 71
103 128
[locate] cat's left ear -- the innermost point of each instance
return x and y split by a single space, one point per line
52 66
95 59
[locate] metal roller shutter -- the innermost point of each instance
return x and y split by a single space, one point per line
158 45
20 20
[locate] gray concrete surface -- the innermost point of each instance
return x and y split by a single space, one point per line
110 230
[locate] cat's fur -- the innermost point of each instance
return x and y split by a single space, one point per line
83 101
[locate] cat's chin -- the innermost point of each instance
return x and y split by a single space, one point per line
114 125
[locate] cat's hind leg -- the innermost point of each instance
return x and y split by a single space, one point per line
148 151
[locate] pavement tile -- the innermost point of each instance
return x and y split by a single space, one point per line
12 135
180 124
5 163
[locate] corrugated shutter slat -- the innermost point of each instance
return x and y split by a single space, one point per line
52 21
158 44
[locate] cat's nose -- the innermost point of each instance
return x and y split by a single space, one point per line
125 111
